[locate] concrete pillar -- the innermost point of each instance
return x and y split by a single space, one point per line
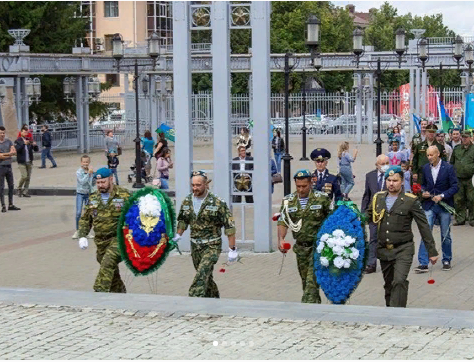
153 101
424 94
359 109
79 110
417 92
25 106
85 115
412 129
261 115
182 102
221 102
18 100
370 111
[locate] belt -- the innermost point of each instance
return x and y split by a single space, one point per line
204 241
392 246
306 244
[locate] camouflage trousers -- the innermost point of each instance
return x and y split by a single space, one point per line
108 255
305 261
464 202
204 256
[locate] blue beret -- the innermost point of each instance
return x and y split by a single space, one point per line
320 154
396 139
103 173
393 170
302 174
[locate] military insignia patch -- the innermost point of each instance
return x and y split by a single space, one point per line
316 207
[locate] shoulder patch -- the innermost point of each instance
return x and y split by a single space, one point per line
409 194
320 194
289 197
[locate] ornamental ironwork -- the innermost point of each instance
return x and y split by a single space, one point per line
240 15
200 17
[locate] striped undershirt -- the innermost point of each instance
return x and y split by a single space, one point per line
303 202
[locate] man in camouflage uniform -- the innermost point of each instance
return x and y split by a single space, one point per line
393 211
419 156
419 137
463 161
308 208
102 213
207 214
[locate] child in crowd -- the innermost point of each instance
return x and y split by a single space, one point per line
396 156
85 182
406 175
112 163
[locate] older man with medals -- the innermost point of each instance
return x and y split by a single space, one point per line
322 180
393 211
303 212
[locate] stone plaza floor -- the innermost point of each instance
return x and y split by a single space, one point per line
36 251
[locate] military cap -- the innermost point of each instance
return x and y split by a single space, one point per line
302 174
102 173
320 154
396 139
393 170
199 173
431 128
466 133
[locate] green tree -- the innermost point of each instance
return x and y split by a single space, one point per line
54 29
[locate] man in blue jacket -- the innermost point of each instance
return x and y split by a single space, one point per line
322 179
439 184
47 144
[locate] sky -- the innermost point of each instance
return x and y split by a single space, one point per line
457 15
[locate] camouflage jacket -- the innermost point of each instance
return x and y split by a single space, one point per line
103 218
211 218
313 215
463 161
419 156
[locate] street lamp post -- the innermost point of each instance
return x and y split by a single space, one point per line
287 157
313 25
118 54
358 50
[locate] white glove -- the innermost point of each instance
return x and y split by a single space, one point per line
83 243
233 255
176 237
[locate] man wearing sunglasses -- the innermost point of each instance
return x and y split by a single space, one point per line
322 179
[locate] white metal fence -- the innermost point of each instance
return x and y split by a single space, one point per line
326 114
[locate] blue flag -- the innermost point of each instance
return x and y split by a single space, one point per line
469 113
167 130
416 121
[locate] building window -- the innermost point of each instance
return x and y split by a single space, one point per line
108 42
113 79
111 9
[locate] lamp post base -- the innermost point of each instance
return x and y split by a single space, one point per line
378 146
138 185
304 159
286 174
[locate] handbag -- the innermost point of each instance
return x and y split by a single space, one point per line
119 151
276 178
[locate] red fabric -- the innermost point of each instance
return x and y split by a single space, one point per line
28 137
143 262
416 188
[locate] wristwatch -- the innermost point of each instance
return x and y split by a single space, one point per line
442 195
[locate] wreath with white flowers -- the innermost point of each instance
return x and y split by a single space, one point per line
337 250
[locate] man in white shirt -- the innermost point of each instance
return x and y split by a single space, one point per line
242 180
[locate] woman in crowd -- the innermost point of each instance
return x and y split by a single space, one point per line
147 146
245 140
345 168
278 146
161 145
163 165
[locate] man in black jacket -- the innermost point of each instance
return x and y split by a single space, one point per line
46 152
24 156
374 182
243 180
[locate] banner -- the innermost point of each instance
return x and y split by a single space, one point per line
167 130
444 117
469 115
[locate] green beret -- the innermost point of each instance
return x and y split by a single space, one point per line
199 173
302 174
393 170
440 131
102 173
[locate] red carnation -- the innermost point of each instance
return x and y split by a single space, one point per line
222 270
416 188
286 246
431 281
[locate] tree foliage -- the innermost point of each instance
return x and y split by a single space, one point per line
381 34
54 29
